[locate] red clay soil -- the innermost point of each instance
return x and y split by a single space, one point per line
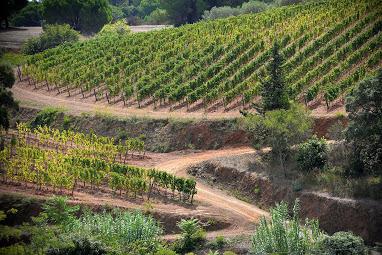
75 104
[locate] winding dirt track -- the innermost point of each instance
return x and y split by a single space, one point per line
209 202
241 214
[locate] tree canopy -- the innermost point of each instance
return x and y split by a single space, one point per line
364 105
280 129
87 16
29 16
8 8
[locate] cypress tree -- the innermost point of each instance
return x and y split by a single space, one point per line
274 93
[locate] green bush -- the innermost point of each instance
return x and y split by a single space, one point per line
342 243
52 36
58 211
312 154
45 117
218 243
118 28
284 234
193 235
158 16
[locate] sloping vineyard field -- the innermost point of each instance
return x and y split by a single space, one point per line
327 45
60 161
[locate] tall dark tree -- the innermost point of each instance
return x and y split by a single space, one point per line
190 11
7 79
183 11
29 16
9 7
274 92
364 133
87 16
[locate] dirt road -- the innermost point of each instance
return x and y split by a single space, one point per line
209 202
39 98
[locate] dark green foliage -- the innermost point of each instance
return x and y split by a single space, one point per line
87 16
183 11
342 243
274 93
7 79
218 243
58 211
29 16
52 36
45 117
188 11
364 132
312 154
8 8
82 246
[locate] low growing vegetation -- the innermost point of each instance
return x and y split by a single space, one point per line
52 36
284 234
312 154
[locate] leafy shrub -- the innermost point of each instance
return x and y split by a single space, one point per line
52 36
193 235
220 12
66 122
165 251
253 7
45 117
218 243
342 243
284 234
158 16
312 154
118 28
228 11
58 211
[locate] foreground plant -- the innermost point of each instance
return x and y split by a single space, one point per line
192 235
283 234
120 229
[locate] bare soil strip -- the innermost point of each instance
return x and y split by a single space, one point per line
39 98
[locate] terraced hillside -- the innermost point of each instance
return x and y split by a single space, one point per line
328 46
